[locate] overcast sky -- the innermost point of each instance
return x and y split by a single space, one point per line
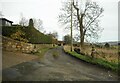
48 11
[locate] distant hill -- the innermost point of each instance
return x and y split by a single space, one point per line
110 42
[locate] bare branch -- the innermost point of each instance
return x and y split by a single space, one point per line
87 20
93 20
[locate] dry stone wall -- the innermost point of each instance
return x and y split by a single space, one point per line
13 45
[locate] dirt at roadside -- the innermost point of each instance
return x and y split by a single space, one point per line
10 59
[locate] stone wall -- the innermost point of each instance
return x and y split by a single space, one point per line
13 45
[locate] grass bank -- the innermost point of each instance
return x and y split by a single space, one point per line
41 52
42 49
97 61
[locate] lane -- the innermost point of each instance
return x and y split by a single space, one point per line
62 68
80 68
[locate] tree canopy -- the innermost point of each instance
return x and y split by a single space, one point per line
85 18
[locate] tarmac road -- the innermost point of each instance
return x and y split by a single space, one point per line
62 68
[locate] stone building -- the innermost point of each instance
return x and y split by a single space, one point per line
5 22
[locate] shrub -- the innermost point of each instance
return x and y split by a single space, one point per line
9 30
55 54
107 45
77 50
19 35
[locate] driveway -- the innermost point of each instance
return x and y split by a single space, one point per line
62 68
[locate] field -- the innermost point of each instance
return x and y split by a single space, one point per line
105 57
108 54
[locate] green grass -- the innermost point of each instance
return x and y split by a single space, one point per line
55 54
97 61
41 52
30 33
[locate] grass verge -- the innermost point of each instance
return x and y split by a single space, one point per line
55 54
41 52
97 61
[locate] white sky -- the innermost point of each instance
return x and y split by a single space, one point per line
48 11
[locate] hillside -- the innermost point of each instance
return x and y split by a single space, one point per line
34 36
29 33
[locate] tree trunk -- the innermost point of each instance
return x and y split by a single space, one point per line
82 41
81 33
80 20
71 28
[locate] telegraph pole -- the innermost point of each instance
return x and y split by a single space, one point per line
71 26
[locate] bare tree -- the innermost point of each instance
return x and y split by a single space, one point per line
87 19
68 18
23 21
54 37
65 15
67 39
38 24
54 34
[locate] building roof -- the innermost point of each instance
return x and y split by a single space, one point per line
61 41
6 20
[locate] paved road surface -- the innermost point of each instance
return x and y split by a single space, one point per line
62 68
